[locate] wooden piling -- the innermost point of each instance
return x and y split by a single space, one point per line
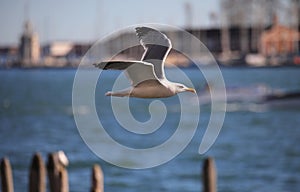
97 179
37 175
57 173
6 176
209 175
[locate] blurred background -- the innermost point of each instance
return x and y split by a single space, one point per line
237 32
254 42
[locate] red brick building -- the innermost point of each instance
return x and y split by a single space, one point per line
279 40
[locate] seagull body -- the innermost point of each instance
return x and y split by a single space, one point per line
147 76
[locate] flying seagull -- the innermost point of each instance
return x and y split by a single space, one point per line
147 76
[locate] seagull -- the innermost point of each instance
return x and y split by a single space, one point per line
147 76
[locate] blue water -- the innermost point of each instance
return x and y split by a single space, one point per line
255 151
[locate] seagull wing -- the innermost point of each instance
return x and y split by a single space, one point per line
115 65
136 71
157 46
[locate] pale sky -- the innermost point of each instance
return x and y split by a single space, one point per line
89 20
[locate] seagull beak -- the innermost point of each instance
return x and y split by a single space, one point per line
191 90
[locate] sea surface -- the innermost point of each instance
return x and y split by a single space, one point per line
256 150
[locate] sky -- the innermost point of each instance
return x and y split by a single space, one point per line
90 20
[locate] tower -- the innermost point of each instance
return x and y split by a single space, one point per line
188 15
29 46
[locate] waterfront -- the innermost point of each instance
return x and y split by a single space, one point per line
255 151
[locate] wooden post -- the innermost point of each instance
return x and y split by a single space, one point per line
6 176
37 175
97 179
57 173
209 175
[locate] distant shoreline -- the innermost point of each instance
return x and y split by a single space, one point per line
190 67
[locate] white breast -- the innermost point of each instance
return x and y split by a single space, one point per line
152 92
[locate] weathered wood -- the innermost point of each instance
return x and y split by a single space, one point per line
209 175
6 176
97 179
57 173
37 175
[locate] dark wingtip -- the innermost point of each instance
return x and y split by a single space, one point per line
138 31
100 65
141 31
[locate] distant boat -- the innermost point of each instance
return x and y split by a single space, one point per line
254 98
282 96
254 93
256 60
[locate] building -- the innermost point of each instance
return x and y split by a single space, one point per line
279 40
63 53
55 54
29 50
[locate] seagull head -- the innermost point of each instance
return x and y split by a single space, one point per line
182 88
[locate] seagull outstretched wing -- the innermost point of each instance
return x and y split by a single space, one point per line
157 46
137 71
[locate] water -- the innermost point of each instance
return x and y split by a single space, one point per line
255 151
